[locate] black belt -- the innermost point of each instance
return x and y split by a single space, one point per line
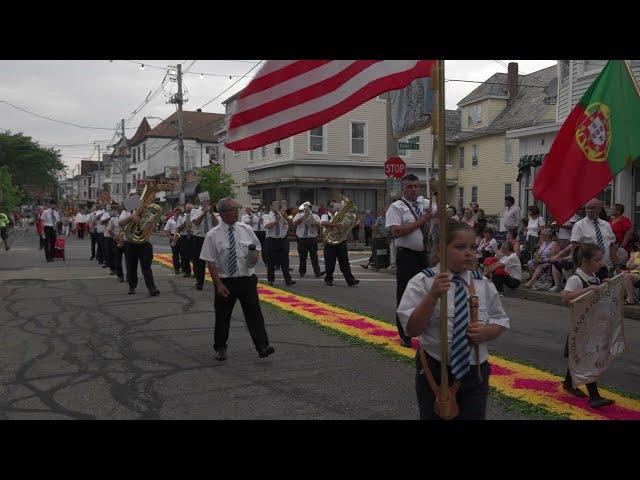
408 250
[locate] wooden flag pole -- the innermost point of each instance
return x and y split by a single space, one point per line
442 232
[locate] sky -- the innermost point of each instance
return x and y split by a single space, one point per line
98 93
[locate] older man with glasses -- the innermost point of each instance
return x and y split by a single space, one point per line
231 250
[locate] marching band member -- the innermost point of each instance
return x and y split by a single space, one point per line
277 227
105 239
50 218
100 234
170 229
333 252
226 250
308 241
93 230
202 220
113 230
137 252
185 231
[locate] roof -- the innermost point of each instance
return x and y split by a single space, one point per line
452 124
198 126
494 86
140 134
231 98
525 108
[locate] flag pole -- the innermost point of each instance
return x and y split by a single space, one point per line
442 232
633 79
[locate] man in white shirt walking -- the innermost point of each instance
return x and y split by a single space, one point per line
186 232
307 238
50 218
202 220
105 237
338 252
171 229
228 251
256 221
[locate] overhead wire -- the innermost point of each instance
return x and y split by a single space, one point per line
232 85
185 72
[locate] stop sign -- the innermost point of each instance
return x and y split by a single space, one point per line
395 167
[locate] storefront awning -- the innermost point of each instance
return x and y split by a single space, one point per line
189 190
528 161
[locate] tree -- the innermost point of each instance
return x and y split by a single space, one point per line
10 195
217 183
27 162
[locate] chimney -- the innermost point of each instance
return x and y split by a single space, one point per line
512 80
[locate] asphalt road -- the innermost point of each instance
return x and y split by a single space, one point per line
74 345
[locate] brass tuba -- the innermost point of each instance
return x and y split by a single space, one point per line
346 217
305 208
149 214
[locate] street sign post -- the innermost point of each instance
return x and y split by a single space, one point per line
395 167
408 146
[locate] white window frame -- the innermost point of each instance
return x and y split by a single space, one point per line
461 158
263 151
508 151
133 155
364 139
460 198
324 142
585 71
564 76
477 155
278 145
474 187
251 154
144 151
510 193
473 110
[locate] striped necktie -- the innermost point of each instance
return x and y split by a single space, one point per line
306 230
206 223
260 223
460 347
233 261
599 236
416 207
277 226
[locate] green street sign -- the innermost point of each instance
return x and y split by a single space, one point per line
408 146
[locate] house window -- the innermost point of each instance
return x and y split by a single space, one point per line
144 151
507 189
474 194
401 151
474 115
250 154
592 65
144 174
278 150
461 165
358 130
128 187
474 155
316 139
564 69
133 155
507 151
460 198
264 151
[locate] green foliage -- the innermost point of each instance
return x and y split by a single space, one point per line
10 195
218 184
27 162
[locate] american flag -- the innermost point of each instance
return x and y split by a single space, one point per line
287 97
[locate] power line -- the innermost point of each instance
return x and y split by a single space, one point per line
234 83
188 73
494 83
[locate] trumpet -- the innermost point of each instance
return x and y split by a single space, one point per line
305 208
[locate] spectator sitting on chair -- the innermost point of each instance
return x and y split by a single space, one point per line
541 261
632 275
510 263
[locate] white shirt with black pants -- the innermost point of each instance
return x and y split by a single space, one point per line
307 238
50 219
116 253
278 245
339 252
599 233
411 257
184 244
227 247
107 248
134 253
172 228
199 233
257 221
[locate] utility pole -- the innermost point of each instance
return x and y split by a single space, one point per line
99 168
123 159
178 100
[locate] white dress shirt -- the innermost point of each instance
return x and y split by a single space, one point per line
199 230
511 217
255 221
124 214
215 248
50 218
105 216
513 266
171 226
585 232
399 214
534 226
490 311
564 233
574 283
312 230
284 226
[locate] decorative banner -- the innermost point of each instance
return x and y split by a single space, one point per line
596 334
515 380
411 108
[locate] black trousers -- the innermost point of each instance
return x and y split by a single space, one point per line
199 266
94 242
80 229
184 243
308 246
339 252
116 258
262 236
243 289
367 235
408 264
592 387
100 252
278 255
472 395
501 280
50 247
175 256
143 253
106 248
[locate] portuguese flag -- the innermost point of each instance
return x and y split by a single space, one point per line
598 139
